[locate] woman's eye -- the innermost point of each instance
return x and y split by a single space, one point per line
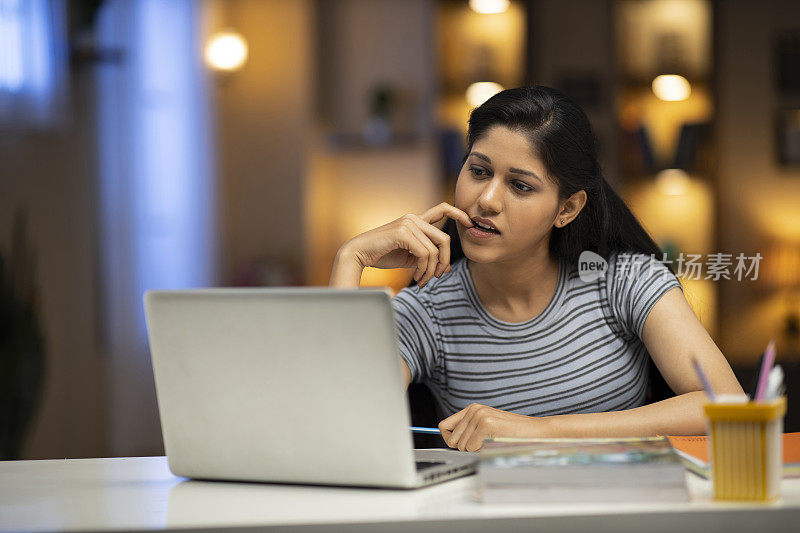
524 188
477 171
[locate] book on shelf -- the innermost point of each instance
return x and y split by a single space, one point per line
693 450
580 470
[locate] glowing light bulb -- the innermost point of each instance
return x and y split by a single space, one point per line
671 87
479 92
226 50
489 7
672 182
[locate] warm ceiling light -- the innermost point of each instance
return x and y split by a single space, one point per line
671 87
479 92
226 50
489 7
673 182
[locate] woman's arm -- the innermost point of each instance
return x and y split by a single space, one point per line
406 373
346 272
411 241
672 334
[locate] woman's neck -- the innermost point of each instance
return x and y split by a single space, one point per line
516 287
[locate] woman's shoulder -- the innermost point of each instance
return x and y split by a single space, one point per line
639 277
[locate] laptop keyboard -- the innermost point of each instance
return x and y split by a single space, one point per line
424 465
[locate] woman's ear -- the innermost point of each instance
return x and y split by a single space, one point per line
570 209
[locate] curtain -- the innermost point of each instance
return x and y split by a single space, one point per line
156 188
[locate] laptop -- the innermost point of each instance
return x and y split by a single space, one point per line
289 385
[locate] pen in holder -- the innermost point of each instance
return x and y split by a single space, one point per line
746 449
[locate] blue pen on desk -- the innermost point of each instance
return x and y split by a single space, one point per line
430 431
703 379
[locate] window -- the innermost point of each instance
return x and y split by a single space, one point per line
33 62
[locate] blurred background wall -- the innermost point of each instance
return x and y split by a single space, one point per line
136 153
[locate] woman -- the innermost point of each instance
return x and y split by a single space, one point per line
515 340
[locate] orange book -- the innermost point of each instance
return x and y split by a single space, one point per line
694 452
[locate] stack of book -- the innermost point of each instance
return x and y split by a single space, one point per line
580 470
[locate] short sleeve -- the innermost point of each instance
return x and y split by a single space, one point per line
635 282
416 332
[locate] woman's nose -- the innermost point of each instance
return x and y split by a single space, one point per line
490 197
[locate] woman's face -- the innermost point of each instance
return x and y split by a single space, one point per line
503 181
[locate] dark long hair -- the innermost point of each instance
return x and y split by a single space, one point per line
561 136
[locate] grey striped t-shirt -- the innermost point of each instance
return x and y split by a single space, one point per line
582 354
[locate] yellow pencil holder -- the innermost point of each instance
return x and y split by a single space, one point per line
746 441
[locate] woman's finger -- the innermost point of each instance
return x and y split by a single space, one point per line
466 426
458 431
440 239
411 240
428 260
469 434
432 258
439 214
451 421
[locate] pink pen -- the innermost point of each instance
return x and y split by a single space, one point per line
766 367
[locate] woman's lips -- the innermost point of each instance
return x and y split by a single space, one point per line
485 222
478 233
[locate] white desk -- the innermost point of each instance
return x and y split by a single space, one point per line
141 494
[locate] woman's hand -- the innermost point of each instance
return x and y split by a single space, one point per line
467 428
410 241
